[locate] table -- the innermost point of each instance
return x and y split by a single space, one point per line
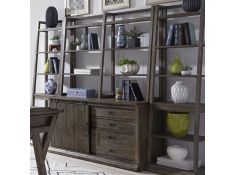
42 120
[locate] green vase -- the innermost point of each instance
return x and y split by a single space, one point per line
178 124
46 67
176 66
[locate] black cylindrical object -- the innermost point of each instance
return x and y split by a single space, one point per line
191 5
51 17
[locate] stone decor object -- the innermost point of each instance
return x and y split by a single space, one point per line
121 38
51 86
191 5
179 92
177 152
51 17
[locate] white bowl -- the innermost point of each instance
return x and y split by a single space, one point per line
177 152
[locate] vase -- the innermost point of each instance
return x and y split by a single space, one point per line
178 124
46 67
176 66
51 17
129 68
177 153
50 86
84 44
191 5
134 42
179 92
121 38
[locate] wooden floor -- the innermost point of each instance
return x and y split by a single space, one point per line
61 165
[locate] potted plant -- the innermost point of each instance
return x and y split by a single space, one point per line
133 37
128 66
186 70
55 41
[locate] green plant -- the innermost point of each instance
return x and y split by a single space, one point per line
186 68
134 33
56 37
125 60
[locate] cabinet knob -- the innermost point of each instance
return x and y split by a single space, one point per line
112 151
111 137
112 112
112 124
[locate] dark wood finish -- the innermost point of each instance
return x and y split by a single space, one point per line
113 55
177 46
49 29
188 138
130 21
73 56
42 120
87 51
180 15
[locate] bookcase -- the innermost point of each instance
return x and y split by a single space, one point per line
160 103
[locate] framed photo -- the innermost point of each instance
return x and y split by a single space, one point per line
115 4
149 2
76 7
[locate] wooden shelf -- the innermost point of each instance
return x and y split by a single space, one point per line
169 170
46 74
177 76
180 15
50 29
47 52
97 24
134 48
130 21
172 107
188 138
86 51
177 46
87 75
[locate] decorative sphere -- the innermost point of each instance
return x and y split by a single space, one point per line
51 86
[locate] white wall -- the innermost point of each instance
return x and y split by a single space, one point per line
188 56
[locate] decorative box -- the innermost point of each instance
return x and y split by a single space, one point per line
81 93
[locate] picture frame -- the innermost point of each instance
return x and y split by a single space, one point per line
151 2
108 5
76 7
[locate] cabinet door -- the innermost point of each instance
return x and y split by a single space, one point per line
72 128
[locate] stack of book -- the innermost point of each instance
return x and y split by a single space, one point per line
53 65
186 164
131 91
93 41
181 34
87 71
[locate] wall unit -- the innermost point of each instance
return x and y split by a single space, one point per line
114 132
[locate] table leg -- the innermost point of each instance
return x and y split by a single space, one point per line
39 154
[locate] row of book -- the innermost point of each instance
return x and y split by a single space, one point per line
181 34
53 65
131 91
93 41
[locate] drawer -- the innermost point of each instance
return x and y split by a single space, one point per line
113 113
112 144
120 126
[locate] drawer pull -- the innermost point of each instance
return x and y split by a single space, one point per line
112 151
112 113
112 124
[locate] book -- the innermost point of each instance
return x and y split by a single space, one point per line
187 38
87 71
55 61
123 89
179 35
192 33
89 42
51 66
170 35
136 91
94 41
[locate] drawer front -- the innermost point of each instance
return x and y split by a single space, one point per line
113 113
120 126
112 144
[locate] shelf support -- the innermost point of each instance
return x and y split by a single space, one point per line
198 87
113 55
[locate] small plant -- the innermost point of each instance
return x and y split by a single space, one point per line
186 68
56 37
134 33
124 61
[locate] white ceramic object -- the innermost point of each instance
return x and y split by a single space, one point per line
78 47
186 72
179 92
55 42
129 68
177 152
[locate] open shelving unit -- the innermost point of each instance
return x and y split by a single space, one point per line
160 106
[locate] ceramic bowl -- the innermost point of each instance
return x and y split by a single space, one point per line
177 152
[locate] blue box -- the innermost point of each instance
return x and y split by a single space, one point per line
81 93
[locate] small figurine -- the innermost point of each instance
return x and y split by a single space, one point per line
118 94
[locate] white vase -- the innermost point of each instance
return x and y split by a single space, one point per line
177 152
129 68
179 92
